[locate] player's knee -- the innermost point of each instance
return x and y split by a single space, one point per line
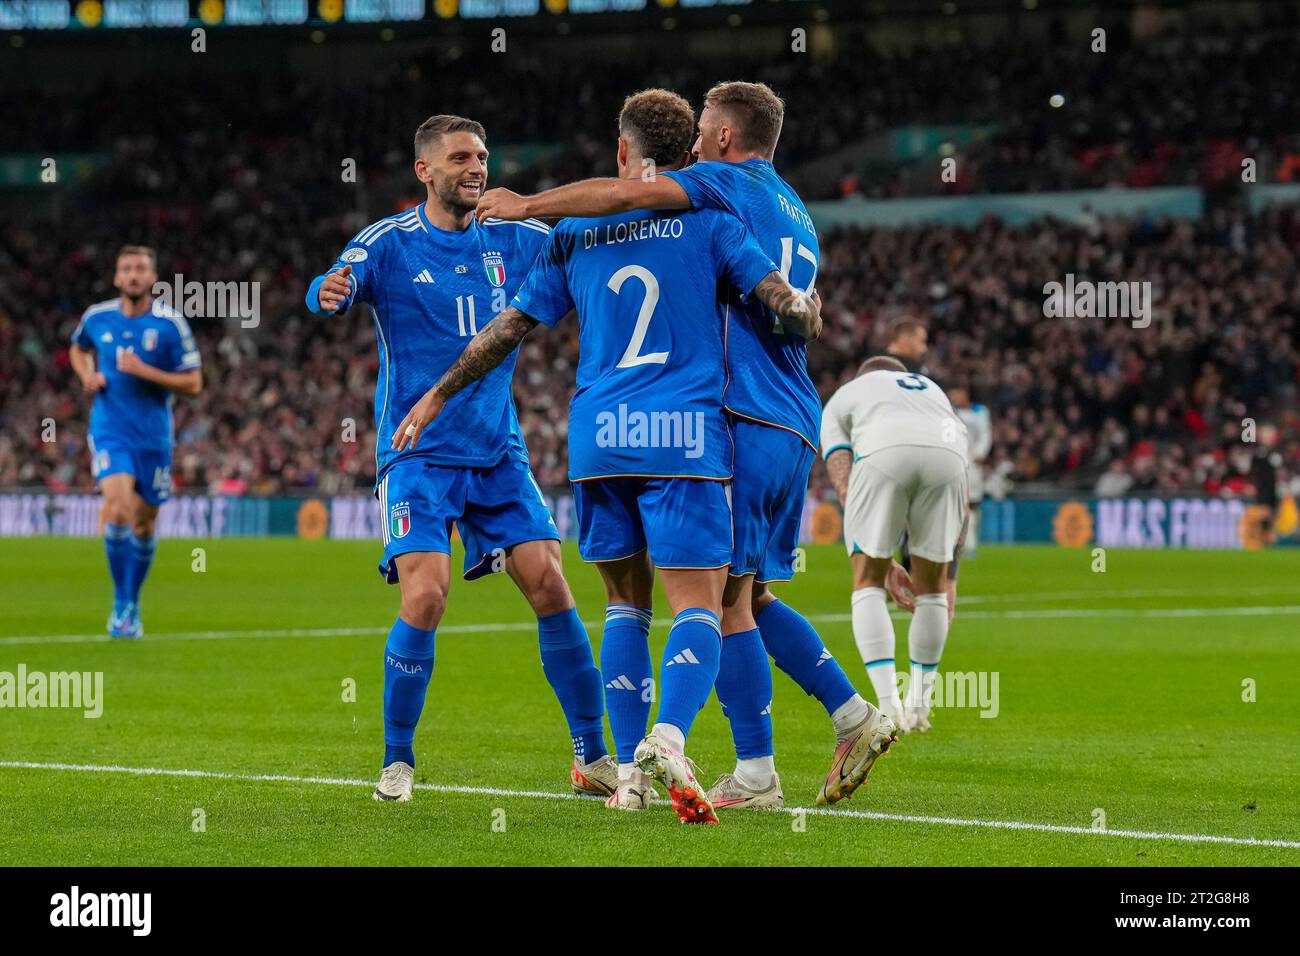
117 510
546 590
423 603
144 527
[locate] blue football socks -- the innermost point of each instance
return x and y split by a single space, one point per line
628 673
571 672
408 665
690 667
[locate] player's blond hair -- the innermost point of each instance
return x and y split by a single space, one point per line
755 112
660 123
881 363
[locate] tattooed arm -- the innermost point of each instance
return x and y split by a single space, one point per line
838 466
485 352
799 313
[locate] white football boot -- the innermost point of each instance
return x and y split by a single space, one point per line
917 719
730 794
396 782
596 779
856 754
637 792
655 756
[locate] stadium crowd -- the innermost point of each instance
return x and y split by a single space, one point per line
1170 110
1080 403
256 195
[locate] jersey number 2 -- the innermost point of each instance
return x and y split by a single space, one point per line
633 357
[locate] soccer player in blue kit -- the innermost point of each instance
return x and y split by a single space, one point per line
649 447
133 354
433 277
775 417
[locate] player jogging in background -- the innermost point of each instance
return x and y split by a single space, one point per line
132 354
896 454
432 278
649 448
775 412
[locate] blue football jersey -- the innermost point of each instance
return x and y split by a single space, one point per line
430 291
767 367
651 361
129 412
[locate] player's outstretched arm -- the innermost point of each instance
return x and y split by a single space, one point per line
485 352
589 197
799 312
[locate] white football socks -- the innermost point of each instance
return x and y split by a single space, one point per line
672 735
756 773
873 632
925 639
848 715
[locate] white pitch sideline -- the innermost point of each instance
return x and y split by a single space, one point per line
550 795
1263 610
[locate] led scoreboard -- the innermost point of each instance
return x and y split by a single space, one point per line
136 14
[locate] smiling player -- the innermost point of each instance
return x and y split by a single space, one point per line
651 347
432 278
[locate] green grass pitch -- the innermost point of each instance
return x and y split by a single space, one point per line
1121 693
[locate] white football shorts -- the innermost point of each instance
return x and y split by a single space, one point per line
920 489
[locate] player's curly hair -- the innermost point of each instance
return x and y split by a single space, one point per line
431 130
660 122
755 110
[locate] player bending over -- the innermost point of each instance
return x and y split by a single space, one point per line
896 453
774 411
132 354
433 277
651 358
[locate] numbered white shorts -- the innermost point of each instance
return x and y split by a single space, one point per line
920 489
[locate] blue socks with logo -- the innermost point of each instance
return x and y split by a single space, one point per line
744 689
798 650
690 667
628 672
571 672
408 665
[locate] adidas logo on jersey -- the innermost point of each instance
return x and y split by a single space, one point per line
621 683
826 656
424 276
684 657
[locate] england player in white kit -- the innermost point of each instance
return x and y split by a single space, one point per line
896 453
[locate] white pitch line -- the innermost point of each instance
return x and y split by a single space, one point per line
1266 610
551 795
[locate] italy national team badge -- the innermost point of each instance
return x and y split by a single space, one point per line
149 340
495 265
399 519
